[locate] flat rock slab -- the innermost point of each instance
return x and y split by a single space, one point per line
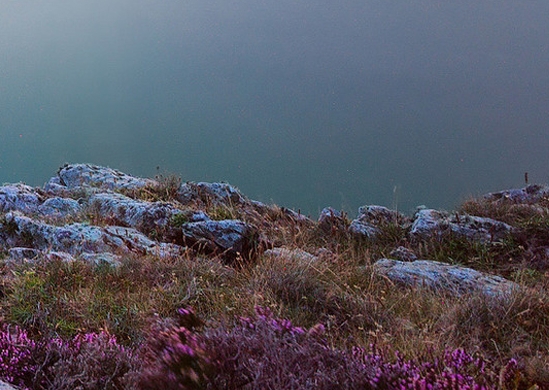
430 223
441 276
529 194
230 238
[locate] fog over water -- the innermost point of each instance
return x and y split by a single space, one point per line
303 103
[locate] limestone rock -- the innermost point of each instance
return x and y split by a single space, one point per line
6 386
442 276
529 194
370 218
101 258
429 222
210 194
433 223
331 220
60 207
77 175
152 218
230 238
17 230
139 243
23 254
292 254
20 197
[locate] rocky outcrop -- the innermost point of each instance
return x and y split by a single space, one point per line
528 195
234 240
441 276
19 231
332 220
156 219
371 219
79 175
430 223
210 194
19 197
58 221
98 214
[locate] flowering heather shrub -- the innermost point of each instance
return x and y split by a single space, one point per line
176 357
259 352
269 353
264 352
456 370
17 365
89 361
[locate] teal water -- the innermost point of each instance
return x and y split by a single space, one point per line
303 103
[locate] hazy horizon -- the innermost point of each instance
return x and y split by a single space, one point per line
304 104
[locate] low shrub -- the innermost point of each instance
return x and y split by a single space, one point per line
260 351
17 352
88 361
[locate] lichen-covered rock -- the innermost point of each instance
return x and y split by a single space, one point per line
20 197
22 254
141 244
60 207
17 230
441 276
479 228
430 223
371 218
158 219
31 255
230 238
77 175
101 258
529 194
297 255
332 220
210 194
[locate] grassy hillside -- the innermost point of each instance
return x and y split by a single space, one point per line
284 321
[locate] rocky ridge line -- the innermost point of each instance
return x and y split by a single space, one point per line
99 214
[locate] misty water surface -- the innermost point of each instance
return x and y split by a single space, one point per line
303 103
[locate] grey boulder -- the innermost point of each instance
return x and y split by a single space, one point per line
232 239
156 219
429 223
17 230
441 276
529 194
331 220
78 175
210 194
371 218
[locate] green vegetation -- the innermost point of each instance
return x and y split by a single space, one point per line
51 298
